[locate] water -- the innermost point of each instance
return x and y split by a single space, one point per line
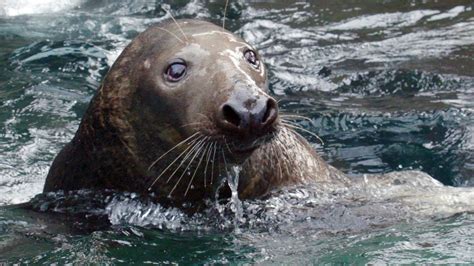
388 85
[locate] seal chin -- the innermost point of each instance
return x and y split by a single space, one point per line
240 149
249 146
245 150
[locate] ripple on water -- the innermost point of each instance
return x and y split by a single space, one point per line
330 225
386 89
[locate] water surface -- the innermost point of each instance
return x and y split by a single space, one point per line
388 85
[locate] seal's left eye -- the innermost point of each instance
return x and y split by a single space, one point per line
252 58
176 71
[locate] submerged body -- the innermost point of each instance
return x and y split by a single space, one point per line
183 103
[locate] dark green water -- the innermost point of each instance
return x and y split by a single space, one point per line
388 85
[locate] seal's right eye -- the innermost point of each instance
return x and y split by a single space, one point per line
252 58
176 70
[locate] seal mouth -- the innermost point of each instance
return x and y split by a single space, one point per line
246 147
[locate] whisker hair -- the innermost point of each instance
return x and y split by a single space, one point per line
174 147
276 159
225 161
207 145
208 156
227 145
192 124
302 129
176 36
297 117
213 161
192 144
196 152
225 13
188 154
175 22
282 148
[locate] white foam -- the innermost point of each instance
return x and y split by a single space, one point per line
12 8
453 12
384 20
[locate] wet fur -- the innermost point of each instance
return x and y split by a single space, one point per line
127 127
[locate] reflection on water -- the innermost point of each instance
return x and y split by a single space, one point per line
388 85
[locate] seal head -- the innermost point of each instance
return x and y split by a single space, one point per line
181 104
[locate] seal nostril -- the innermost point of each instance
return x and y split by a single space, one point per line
271 112
230 115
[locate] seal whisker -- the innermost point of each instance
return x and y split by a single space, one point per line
225 161
188 154
275 159
205 116
192 124
197 167
185 152
175 22
283 153
219 170
195 153
174 147
279 159
225 12
191 146
286 124
208 156
227 145
176 36
213 160
206 120
292 116
291 122
273 156
279 168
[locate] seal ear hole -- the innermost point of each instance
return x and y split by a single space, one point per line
230 115
175 70
252 58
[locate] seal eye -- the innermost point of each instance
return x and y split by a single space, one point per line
251 57
176 71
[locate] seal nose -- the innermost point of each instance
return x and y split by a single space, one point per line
248 116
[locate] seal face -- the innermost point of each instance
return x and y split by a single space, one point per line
182 103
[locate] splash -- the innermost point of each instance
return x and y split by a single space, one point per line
229 211
129 209
235 203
